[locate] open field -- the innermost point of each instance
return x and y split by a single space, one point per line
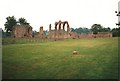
97 59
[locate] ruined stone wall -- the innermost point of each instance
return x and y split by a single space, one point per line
99 35
103 34
59 31
73 35
41 33
83 35
20 31
58 34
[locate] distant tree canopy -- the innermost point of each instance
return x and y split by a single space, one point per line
81 30
23 21
106 29
11 21
116 32
96 28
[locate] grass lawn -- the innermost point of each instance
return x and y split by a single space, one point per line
98 59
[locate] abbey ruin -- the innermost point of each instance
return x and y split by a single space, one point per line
59 31
20 31
41 33
23 31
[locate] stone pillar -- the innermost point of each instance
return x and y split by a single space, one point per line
50 27
59 23
56 25
41 30
68 28
63 27
30 32
59 26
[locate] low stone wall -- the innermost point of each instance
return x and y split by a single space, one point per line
103 34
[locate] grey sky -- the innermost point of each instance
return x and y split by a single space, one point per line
79 13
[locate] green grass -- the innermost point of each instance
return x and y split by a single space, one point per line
98 59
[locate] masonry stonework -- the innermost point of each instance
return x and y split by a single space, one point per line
20 31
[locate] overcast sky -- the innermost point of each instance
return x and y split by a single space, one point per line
78 13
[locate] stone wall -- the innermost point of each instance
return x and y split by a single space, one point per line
84 35
41 33
21 31
59 31
103 34
99 35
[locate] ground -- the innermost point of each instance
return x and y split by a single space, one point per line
97 59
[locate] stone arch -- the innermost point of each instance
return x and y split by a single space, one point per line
68 28
50 27
59 23
56 23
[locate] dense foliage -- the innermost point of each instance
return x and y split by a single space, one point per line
116 32
81 30
23 21
95 28
11 21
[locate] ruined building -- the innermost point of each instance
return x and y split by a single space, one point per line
59 31
41 33
20 31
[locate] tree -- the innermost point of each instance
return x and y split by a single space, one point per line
46 32
119 32
23 21
106 29
11 21
96 28
116 32
72 30
81 30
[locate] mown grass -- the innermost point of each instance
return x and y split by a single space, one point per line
98 59
8 41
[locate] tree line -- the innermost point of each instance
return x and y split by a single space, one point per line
95 28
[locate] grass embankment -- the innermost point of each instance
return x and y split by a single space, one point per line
98 59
